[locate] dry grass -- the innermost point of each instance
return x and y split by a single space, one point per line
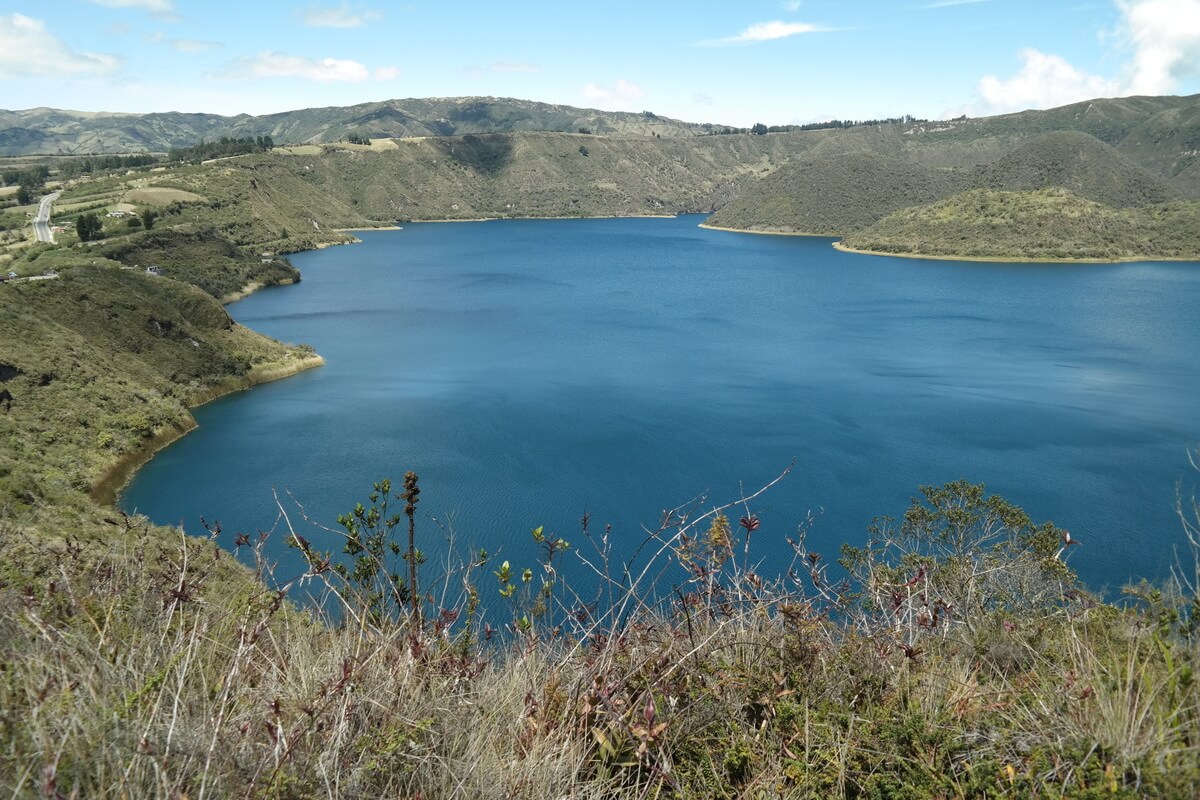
160 670
162 196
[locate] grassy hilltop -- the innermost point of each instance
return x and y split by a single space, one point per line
955 654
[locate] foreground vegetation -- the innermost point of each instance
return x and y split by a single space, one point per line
957 658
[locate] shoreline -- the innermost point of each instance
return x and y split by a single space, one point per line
1011 260
706 226
108 486
500 219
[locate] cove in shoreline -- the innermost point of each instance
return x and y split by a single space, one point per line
708 227
116 477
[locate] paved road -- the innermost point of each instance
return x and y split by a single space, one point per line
41 223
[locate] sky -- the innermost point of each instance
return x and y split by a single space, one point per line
734 63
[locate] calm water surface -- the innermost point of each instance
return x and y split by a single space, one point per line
530 371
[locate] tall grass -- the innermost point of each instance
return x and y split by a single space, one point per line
958 657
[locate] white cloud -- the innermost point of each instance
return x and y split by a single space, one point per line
27 48
386 73
621 94
1044 81
791 5
1165 38
279 65
163 9
768 31
1161 36
702 99
342 16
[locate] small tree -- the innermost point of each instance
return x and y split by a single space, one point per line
759 129
24 196
376 590
148 218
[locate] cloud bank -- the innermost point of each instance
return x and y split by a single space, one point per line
1162 38
28 49
621 95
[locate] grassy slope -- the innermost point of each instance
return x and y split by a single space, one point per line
836 193
528 175
1081 164
1046 224
201 258
833 195
99 361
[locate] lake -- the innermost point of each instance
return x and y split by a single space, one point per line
532 371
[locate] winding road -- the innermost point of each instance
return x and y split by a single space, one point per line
41 223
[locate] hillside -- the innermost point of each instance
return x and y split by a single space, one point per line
100 361
51 131
298 198
845 193
534 174
1045 224
835 194
1079 163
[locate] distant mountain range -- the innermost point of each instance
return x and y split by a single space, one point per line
49 131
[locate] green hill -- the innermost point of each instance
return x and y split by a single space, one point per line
1045 224
203 259
102 360
835 194
1081 164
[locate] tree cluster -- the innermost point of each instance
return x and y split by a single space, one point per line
759 128
89 227
110 163
33 177
29 182
222 148
355 138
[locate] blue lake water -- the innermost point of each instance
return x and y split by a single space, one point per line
530 371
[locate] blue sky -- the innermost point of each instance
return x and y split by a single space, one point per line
776 61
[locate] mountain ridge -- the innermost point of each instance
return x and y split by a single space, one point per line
67 132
